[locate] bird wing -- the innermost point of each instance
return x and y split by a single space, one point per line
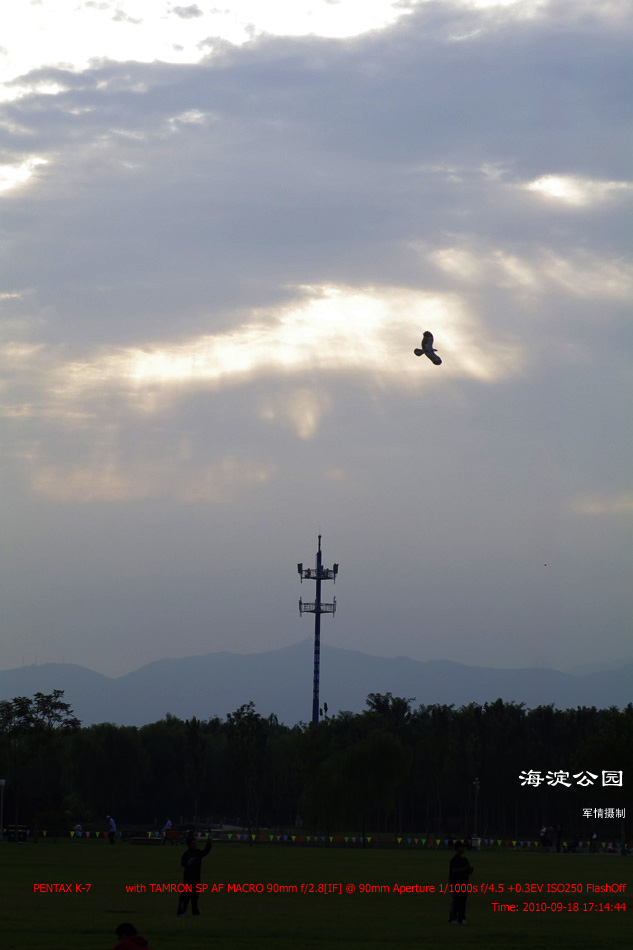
427 348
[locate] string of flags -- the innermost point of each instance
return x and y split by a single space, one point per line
408 841
422 842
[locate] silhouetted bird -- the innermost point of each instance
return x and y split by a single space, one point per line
427 348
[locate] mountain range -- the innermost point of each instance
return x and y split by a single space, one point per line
280 682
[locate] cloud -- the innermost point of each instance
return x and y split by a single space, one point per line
216 281
369 333
222 482
107 478
301 409
603 505
577 191
79 426
579 273
187 12
12 176
63 32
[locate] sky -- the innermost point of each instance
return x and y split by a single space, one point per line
223 231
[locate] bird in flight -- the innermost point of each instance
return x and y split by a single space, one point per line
427 348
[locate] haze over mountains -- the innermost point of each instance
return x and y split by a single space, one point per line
280 682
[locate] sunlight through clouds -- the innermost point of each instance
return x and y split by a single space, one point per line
15 91
12 176
75 35
299 409
109 477
366 338
586 275
370 334
596 505
250 214
220 482
577 191
102 481
580 273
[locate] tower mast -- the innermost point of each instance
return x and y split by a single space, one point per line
318 574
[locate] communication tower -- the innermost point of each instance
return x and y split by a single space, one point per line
318 574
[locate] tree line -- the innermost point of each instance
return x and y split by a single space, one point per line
392 768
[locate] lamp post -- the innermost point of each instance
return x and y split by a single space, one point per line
2 784
475 841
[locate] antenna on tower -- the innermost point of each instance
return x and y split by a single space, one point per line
318 574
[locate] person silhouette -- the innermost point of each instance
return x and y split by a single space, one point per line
191 861
129 939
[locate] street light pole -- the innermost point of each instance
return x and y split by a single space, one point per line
2 784
475 841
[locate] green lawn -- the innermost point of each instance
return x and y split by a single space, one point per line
289 920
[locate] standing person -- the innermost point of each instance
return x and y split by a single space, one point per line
191 861
129 939
166 827
111 829
458 872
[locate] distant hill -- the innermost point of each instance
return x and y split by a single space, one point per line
280 682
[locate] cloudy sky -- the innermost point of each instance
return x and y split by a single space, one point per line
223 231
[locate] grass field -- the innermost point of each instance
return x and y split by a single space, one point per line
291 920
